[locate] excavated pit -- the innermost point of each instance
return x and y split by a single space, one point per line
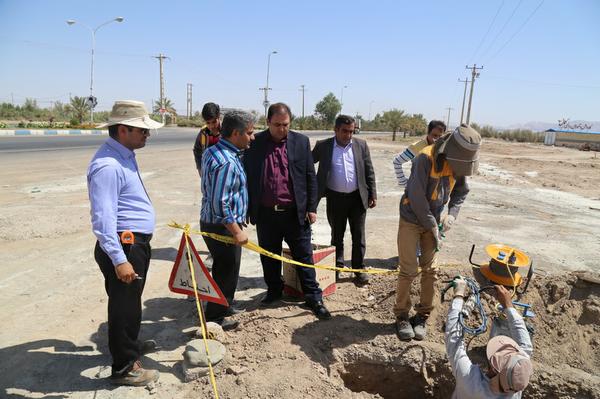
395 382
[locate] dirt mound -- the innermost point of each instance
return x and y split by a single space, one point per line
285 352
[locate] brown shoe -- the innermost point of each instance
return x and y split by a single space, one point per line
137 376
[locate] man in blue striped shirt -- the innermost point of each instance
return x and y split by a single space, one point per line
224 208
123 222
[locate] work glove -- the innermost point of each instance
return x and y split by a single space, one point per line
437 238
460 287
447 222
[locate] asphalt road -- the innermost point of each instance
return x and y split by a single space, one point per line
168 136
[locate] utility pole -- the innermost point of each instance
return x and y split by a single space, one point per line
448 120
12 99
160 58
267 88
189 101
462 112
302 89
474 75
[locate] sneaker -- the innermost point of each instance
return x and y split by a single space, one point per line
148 346
405 329
419 326
137 376
361 279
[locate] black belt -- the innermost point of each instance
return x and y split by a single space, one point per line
340 194
280 208
139 238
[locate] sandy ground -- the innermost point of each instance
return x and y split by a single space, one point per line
543 200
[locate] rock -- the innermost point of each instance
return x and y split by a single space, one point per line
591 311
236 370
191 373
195 352
558 290
215 331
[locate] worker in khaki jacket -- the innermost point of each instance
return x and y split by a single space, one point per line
438 177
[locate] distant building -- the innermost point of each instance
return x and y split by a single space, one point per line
573 138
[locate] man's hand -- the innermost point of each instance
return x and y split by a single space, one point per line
436 236
240 238
125 272
447 222
460 287
372 202
311 217
504 296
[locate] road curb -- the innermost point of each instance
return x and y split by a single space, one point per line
52 132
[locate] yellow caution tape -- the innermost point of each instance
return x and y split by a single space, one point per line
256 248
213 381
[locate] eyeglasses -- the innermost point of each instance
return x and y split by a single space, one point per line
145 132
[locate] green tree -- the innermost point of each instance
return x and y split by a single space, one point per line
328 108
416 124
79 108
171 116
394 119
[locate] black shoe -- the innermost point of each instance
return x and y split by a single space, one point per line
228 324
148 346
361 279
271 298
319 309
232 311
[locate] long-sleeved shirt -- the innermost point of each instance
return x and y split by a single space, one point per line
471 381
224 191
204 140
342 176
118 198
407 156
276 182
426 194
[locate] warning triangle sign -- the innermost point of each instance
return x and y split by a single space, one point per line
181 278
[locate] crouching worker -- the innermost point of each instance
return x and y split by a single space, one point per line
438 177
509 364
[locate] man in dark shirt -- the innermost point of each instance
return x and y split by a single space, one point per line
209 134
282 189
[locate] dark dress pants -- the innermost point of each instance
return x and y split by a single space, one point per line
125 303
342 208
272 228
225 268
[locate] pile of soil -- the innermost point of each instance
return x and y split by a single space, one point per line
285 352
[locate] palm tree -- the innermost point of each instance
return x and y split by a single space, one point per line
79 108
394 120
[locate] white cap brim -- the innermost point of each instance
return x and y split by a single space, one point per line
144 122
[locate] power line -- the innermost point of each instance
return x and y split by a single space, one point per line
488 31
502 29
517 31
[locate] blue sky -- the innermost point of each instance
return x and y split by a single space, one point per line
538 65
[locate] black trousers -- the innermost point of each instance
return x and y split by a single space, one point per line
272 228
125 303
342 208
225 268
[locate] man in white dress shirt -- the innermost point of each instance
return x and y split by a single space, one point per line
347 179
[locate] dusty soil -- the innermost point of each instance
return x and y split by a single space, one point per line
541 199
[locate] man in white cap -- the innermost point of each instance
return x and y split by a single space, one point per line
509 363
123 222
438 177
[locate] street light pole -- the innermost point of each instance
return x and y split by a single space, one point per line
370 105
266 88
91 99
342 99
